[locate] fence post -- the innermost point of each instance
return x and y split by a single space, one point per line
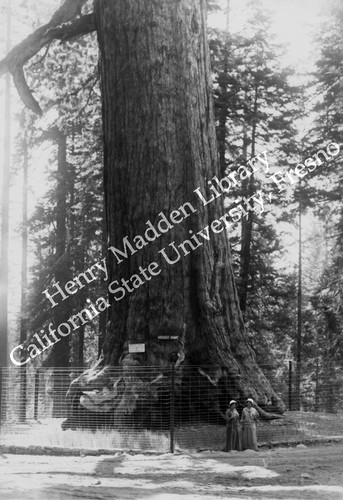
290 405
172 409
35 412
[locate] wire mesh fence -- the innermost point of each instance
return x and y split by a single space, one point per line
152 408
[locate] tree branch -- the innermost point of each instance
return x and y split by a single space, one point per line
24 90
80 26
62 26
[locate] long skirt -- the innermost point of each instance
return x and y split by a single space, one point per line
233 438
249 437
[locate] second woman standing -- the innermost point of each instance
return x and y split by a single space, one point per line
249 418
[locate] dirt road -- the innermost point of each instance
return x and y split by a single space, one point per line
281 473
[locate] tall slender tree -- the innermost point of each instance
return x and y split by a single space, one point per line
24 247
5 207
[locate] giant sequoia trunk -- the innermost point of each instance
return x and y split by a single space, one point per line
160 146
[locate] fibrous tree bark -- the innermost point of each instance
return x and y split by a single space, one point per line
159 147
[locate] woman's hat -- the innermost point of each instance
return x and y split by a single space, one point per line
232 402
251 400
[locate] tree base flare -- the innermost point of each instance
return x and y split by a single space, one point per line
155 397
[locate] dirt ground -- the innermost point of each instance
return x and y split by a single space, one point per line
281 473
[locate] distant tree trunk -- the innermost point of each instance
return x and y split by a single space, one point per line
159 147
298 340
72 248
80 346
248 189
246 248
76 250
23 310
60 352
5 209
81 295
223 103
328 361
102 317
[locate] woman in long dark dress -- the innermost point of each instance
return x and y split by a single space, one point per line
249 419
233 428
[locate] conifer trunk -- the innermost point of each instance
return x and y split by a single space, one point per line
160 146
6 172
60 352
23 284
248 222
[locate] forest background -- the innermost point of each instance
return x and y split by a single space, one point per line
261 103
